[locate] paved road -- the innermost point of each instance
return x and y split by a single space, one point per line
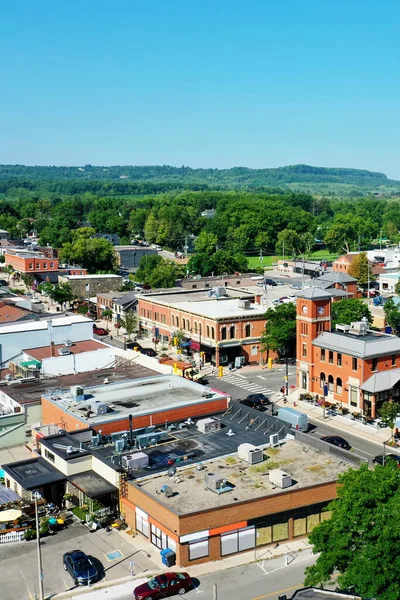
256 581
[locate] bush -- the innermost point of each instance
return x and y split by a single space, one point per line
30 534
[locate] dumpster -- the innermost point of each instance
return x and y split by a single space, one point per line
168 557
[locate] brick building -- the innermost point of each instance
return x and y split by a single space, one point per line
30 262
85 286
222 322
352 365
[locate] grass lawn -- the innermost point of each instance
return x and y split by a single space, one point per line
268 261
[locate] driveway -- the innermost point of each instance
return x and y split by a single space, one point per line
19 575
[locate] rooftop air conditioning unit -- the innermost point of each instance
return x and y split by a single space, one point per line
216 483
119 445
67 343
244 304
341 327
280 478
98 408
274 440
76 390
138 460
251 454
207 425
219 290
63 351
359 328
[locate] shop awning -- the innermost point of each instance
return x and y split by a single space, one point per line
31 363
195 346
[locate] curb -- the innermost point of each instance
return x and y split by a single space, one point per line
101 585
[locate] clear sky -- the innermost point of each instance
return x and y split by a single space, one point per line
204 83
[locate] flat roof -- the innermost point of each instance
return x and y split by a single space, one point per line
218 308
246 482
359 346
40 325
33 473
32 391
136 397
179 295
317 594
99 276
73 440
92 484
75 348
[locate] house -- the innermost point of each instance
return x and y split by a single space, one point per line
223 323
344 262
117 302
353 365
340 285
110 237
4 235
388 281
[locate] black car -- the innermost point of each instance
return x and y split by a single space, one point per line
256 401
381 458
270 282
336 440
80 567
133 345
3 282
148 351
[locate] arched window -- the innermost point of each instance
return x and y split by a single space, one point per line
322 380
331 387
173 320
213 333
247 330
223 333
177 322
231 332
208 331
338 385
195 326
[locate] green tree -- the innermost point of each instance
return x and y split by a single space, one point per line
397 288
28 280
339 238
61 293
158 272
348 311
129 322
287 243
107 314
392 315
280 330
93 254
388 413
2 258
361 269
360 540
206 243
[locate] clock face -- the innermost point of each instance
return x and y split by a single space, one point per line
305 309
321 310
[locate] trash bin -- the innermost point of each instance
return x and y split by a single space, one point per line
168 557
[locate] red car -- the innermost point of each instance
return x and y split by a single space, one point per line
99 330
167 584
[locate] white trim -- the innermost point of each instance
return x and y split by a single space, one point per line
191 537
142 514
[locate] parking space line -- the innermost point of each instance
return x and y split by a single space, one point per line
23 577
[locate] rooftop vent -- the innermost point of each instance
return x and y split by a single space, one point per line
63 351
245 304
67 343
280 478
98 408
218 291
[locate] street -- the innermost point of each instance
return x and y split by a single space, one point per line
265 579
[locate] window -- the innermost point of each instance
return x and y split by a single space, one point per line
173 320
374 364
49 455
51 265
198 549
232 332
31 265
237 541
338 385
177 322
304 329
208 331
320 327
354 364
322 380
353 396
142 523
393 360
323 354
155 536
304 351
38 265
254 351
330 357
195 326
44 265
247 330
223 333
213 333
330 383
339 359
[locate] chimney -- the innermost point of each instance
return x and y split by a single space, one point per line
52 350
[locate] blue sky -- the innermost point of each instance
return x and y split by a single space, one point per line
205 83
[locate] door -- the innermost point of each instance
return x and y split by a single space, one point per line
304 380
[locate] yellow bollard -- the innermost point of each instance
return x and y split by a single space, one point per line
270 363
220 371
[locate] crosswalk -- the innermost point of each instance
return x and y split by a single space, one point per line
251 388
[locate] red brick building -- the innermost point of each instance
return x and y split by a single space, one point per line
224 323
30 262
352 365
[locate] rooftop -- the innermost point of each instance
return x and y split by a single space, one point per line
317 594
31 392
56 321
175 295
314 293
246 482
97 276
221 308
360 346
394 276
337 277
72 441
10 313
75 348
33 473
381 381
92 484
136 397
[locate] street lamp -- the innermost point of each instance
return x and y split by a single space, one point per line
36 496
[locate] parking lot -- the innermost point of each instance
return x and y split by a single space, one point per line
19 574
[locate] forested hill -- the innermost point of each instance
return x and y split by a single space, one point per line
298 177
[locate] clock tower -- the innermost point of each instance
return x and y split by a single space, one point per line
313 316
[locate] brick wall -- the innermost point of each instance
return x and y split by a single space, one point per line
96 286
53 414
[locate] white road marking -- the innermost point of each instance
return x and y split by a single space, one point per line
261 377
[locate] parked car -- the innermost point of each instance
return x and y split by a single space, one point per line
279 282
380 458
296 286
133 345
370 293
270 282
148 351
336 440
81 567
167 584
99 330
256 401
3 282
277 302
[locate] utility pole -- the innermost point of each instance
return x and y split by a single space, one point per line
287 375
36 496
186 246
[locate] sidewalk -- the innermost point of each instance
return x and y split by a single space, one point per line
269 558
372 433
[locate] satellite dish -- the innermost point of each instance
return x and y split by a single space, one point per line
171 471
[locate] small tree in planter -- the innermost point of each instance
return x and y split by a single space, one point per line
388 414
